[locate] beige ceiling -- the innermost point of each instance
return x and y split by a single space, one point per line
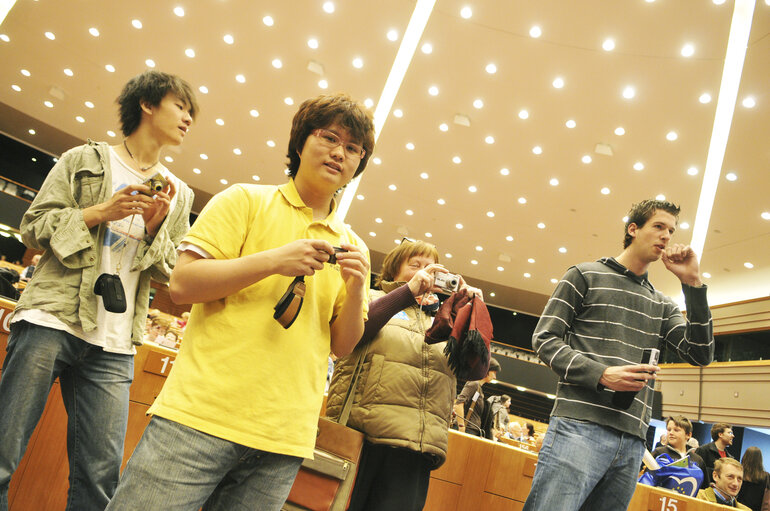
577 216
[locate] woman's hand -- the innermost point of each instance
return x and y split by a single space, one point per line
423 281
472 291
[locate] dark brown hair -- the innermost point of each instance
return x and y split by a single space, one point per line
406 250
150 88
322 112
642 211
681 421
719 428
753 467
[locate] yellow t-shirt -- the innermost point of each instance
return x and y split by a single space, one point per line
239 374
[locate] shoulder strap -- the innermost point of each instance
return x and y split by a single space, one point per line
347 404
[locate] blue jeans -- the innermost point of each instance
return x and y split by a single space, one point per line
94 387
585 466
176 467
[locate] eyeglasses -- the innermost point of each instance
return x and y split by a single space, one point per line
332 140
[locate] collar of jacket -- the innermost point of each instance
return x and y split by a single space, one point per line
615 265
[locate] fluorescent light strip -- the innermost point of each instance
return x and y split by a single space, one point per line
728 93
414 30
5 7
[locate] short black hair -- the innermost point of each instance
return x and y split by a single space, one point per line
642 211
150 88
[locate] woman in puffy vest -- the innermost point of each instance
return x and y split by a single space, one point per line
404 396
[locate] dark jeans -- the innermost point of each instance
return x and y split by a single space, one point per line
390 478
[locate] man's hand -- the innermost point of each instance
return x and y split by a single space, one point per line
354 268
126 201
682 262
302 257
628 378
156 213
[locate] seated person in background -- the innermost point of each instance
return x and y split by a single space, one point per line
158 327
679 430
170 340
500 419
755 480
469 406
722 436
529 433
29 270
662 441
692 444
728 479
514 430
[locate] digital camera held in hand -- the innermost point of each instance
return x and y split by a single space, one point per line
156 183
448 282
333 257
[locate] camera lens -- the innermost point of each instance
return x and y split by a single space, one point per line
157 186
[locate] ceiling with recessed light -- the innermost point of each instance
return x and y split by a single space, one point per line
518 139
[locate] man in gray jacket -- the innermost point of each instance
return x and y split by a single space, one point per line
593 333
94 217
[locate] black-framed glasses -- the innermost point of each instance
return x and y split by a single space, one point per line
288 307
332 140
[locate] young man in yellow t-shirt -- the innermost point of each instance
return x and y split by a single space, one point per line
224 433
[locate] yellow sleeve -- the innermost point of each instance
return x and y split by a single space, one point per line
222 226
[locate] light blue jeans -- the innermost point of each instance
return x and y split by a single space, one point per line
94 387
176 467
585 466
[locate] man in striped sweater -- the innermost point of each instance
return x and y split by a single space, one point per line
592 333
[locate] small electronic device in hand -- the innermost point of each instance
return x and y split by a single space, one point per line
624 400
110 288
156 183
333 257
448 282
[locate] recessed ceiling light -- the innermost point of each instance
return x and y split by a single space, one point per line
312 43
718 2
223 181
441 202
509 238
427 48
323 84
531 261
629 92
376 160
466 12
499 268
268 21
605 191
328 7
624 219
558 82
491 68
660 196
392 188
570 123
443 126
765 215
368 102
34 159
89 104
94 31
693 171
398 113
392 34
204 156
433 90
289 101
459 226
472 189
527 275
535 31
586 158
562 250
671 136
111 133
220 122
31 131
150 63
68 71
479 248
372 234
748 265
424 175
203 89
705 98
619 131
410 146
688 50
237 152
228 39
5 38
179 11
25 72
48 104
491 214
504 171
478 103
190 52
378 220
749 102
537 149
456 159
277 63
706 275
684 225
522 200
50 35
16 87
554 182
136 23
523 114
358 62
541 225
554 281
731 176
409 212
169 159
474 261
448 255
80 119
638 166
489 139
608 44
196 170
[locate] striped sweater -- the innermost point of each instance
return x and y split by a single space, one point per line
602 314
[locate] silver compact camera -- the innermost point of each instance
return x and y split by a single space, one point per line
448 282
